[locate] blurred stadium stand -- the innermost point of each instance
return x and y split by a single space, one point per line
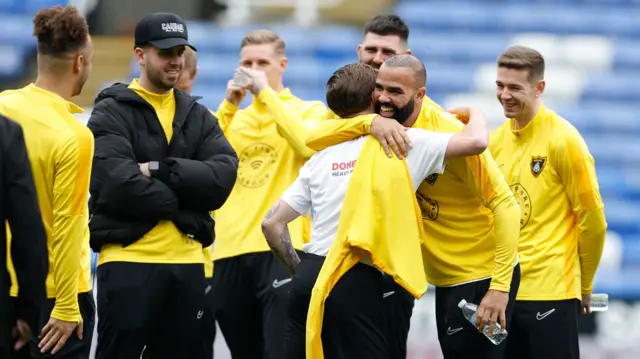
592 48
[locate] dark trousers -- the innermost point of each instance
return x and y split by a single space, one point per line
74 348
353 323
398 309
544 330
458 338
157 306
250 294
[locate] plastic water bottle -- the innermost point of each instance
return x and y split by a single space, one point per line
469 311
599 302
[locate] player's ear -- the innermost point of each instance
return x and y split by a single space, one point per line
359 50
140 56
540 86
422 92
408 52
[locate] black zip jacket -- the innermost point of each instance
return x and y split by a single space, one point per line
197 171
19 207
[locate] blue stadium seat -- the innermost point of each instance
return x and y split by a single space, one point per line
615 149
212 95
216 69
602 118
622 285
203 35
228 39
31 7
21 30
626 55
297 39
622 216
12 64
457 47
450 78
616 86
337 42
11 6
304 71
495 17
631 252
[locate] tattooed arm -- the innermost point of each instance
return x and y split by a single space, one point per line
276 231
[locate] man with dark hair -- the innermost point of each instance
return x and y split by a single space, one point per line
562 225
161 165
353 322
470 218
60 150
28 243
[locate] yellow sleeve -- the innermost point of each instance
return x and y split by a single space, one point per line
225 114
293 127
70 221
208 262
576 169
333 131
482 175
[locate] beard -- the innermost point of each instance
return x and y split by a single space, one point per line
156 79
399 114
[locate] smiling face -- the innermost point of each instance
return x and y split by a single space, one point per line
161 68
397 95
377 48
520 82
517 92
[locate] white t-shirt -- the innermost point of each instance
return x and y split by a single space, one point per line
323 181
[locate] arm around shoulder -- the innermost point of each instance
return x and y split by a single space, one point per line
117 183
473 140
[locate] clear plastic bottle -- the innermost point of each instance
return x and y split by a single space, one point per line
469 311
599 302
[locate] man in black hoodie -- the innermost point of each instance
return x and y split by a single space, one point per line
19 208
161 165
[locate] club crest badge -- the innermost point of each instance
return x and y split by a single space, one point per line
431 179
537 165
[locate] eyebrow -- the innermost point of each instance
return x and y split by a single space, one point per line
371 47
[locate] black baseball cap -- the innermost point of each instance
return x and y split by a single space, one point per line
163 30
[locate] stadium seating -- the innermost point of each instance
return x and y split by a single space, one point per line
592 48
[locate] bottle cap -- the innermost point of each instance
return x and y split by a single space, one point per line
462 303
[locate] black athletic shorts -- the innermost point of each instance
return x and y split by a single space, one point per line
74 348
460 339
157 306
544 330
353 323
250 304
398 309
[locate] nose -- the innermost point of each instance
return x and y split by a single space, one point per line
379 58
384 98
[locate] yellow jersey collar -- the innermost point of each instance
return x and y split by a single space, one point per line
159 98
71 107
530 127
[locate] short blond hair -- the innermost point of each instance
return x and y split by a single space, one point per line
264 37
523 58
